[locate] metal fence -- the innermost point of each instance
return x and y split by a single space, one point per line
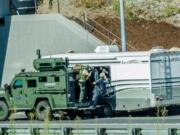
76 128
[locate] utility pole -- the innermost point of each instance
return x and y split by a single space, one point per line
123 31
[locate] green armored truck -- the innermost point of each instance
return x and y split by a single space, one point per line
51 88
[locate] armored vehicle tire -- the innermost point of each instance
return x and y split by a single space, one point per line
43 110
4 111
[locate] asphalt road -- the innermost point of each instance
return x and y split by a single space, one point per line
21 118
170 122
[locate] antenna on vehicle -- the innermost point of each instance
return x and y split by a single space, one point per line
38 52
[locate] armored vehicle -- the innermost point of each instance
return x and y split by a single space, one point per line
51 89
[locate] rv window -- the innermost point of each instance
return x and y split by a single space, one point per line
56 78
31 83
45 64
102 70
43 79
18 84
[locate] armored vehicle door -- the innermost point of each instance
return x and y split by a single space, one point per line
29 92
18 96
71 88
56 87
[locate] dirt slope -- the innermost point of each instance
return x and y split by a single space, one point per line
143 35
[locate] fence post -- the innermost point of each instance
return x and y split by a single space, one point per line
85 19
4 131
172 131
136 131
35 131
59 9
102 131
35 4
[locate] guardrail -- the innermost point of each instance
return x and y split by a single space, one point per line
83 128
108 36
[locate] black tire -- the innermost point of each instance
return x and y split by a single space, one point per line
43 110
107 111
4 111
72 115
99 112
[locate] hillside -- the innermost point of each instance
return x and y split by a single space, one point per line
148 22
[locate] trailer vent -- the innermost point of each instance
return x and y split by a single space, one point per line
158 49
106 49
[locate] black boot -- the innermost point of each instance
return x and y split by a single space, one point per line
92 105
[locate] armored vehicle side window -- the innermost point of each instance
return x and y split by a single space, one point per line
18 84
56 78
42 79
31 83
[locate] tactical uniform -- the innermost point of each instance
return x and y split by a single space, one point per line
100 89
84 76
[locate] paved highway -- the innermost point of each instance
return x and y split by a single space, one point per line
21 118
115 123
21 121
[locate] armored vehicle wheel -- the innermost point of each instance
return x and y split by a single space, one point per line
72 114
43 110
4 111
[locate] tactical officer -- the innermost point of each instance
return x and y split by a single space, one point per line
84 76
90 83
100 89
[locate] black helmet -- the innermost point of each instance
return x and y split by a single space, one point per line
88 68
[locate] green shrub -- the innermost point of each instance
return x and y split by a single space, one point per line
116 6
169 10
131 16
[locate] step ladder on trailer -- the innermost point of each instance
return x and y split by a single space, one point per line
168 75
23 6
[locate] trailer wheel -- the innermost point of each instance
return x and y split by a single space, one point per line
4 111
43 110
107 111
99 112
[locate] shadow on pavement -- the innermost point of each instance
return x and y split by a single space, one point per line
4 36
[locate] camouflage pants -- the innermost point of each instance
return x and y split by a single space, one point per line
82 91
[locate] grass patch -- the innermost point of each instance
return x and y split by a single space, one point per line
92 3
12 121
115 6
128 9
169 10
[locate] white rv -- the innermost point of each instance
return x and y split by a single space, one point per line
140 79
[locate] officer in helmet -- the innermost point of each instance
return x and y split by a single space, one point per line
99 90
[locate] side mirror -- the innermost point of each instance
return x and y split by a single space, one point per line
8 89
